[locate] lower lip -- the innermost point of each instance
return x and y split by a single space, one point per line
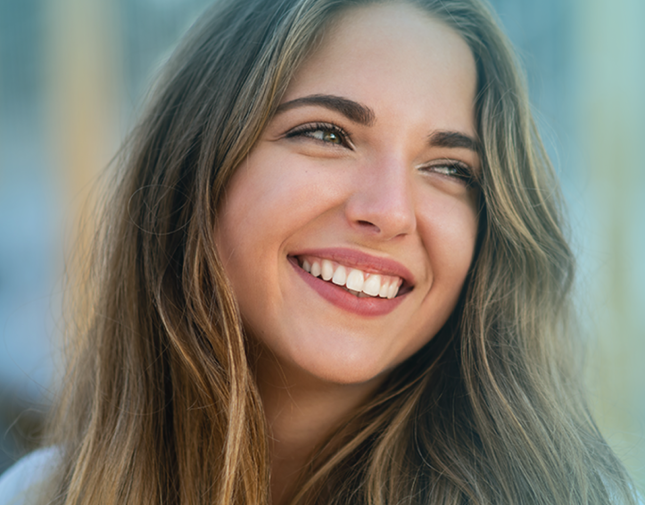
344 299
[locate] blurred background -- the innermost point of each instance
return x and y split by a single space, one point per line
74 72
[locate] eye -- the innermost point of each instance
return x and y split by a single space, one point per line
326 133
453 169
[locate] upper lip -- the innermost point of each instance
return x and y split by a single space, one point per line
362 261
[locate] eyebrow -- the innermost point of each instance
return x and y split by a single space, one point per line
352 110
453 140
365 116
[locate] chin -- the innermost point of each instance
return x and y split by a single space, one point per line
344 368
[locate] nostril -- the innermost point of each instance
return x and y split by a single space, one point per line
367 226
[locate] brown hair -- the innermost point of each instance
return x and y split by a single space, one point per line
160 405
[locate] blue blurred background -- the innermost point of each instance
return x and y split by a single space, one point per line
73 73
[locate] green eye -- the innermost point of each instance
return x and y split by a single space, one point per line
326 136
331 137
453 169
322 132
448 170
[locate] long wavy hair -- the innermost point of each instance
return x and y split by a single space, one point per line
159 402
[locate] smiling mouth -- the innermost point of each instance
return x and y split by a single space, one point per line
357 282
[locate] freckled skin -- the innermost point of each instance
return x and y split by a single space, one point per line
374 195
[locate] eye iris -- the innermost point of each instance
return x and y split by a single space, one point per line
449 170
329 136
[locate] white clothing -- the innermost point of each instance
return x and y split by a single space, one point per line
21 484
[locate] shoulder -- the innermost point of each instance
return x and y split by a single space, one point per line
19 484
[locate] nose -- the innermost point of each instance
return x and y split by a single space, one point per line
382 200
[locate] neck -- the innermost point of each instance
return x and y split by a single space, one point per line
302 411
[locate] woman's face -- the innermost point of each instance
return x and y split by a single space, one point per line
360 182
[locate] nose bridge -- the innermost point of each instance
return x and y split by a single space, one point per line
383 199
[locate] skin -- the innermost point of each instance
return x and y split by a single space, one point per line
385 189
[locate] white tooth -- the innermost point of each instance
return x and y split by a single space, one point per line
355 280
327 270
372 285
306 266
340 276
315 269
385 289
393 290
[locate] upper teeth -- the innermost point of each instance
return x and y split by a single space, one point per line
355 280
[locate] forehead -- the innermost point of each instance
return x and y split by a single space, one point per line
392 56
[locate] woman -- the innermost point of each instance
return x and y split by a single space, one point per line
333 271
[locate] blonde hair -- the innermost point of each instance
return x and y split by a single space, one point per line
160 405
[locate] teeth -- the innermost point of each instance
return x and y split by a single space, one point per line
327 270
372 285
340 276
355 281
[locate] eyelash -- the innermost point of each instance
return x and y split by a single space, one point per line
460 171
455 169
308 129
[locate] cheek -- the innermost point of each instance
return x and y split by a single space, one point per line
449 230
238 225
268 200
272 195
